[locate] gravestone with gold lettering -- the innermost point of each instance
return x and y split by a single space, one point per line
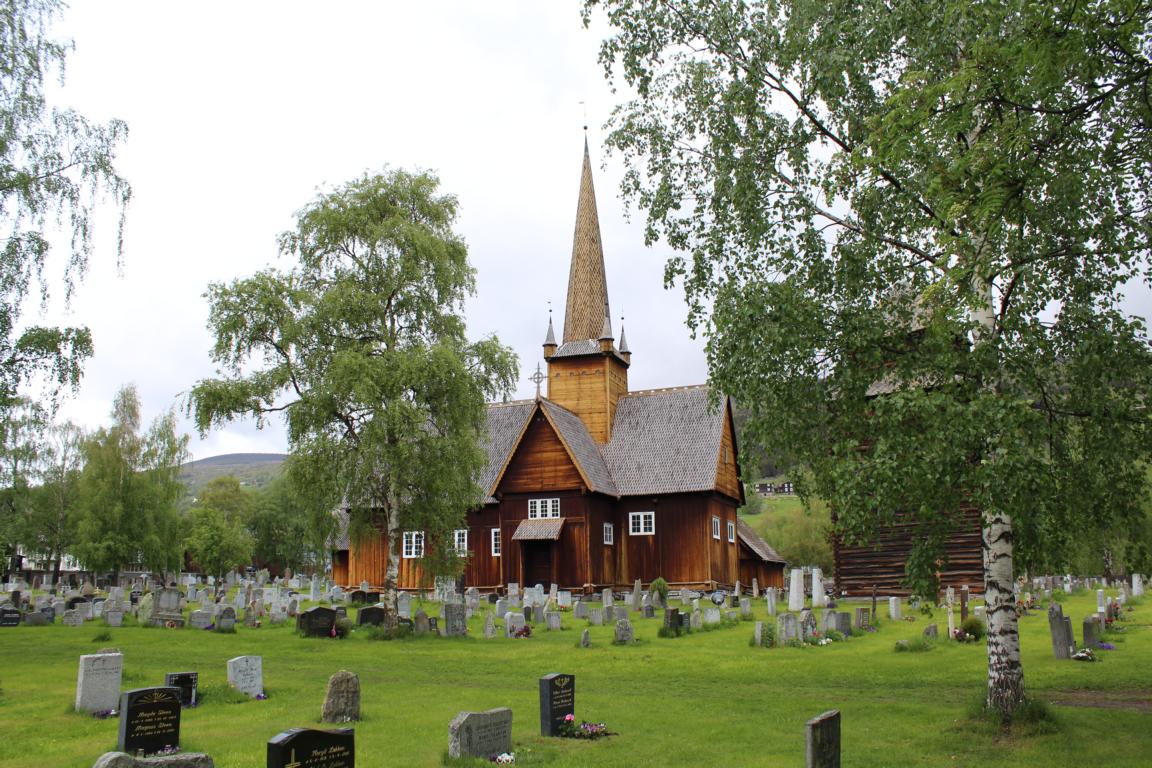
150 721
557 702
312 748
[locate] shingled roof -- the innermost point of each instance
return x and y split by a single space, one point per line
665 441
756 543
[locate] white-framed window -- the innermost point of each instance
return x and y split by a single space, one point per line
731 532
495 542
716 528
609 533
413 544
641 523
460 541
541 508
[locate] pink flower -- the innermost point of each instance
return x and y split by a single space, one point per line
568 718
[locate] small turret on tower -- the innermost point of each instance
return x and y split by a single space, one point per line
550 339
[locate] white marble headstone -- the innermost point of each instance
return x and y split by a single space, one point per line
98 682
246 674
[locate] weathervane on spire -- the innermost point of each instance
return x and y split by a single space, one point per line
585 106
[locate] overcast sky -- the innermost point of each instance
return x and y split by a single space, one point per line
239 112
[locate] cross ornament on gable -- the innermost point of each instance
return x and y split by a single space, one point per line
537 378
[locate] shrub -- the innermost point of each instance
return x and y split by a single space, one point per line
660 587
343 627
974 625
102 637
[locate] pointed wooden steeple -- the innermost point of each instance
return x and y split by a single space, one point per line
587 374
587 285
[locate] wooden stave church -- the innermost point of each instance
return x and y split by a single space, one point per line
592 486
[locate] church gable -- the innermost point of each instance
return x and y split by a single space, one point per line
540 462
727 465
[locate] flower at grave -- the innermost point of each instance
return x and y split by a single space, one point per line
1105 646
1084 654
569 718
261 696
505 758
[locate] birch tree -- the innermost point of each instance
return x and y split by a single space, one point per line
361 348
906 231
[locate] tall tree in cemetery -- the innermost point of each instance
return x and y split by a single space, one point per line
218 538
907 230
365 355
55 167
129 490
50 527
22 424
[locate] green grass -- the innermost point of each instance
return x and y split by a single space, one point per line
702 699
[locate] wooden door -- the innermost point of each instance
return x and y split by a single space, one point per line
537 559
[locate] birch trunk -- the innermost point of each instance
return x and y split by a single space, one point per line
392 571
1005 673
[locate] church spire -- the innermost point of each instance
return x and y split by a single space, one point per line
587 285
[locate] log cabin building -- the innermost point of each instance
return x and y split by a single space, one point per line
590 485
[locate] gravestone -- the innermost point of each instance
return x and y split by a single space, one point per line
312 748
807 625
796 590
246 674
317 621
149 721
557 701
529 614
620 613
49 612
894 608
201 619
636 596
9 617
98 682
168 607
480 734
421 623
404 605
226 619
513 589
596 617
963 603
342 699
745 606
373 615
564 599
513 622
1060 627
755 588
1091 631
844 623
771 600
822 741
186 683
36 619
585 638
787 629
648 612
358 597
672 618
553 619
624 635
951 623
863 618
712 616
697 620
455 620
114 617
930 632
1137 585
489 626
828 622
758 634
501 606
819 599
580 610
606 598
72 618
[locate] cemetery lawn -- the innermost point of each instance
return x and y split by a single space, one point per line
703 699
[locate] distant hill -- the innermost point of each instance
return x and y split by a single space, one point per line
253 470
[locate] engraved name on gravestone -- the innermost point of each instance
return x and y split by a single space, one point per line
317 622
557 701
312 748
149 721
9 617
186 682
98 682
480 734
246 674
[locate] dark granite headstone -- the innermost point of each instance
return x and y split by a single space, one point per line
9 617
557 700
49 613
357 596
312 748
372 597
134 596
186 682
317 622
149 721
72 602
822 736
341 612
373 614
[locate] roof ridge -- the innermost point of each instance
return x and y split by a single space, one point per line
510 402
660 390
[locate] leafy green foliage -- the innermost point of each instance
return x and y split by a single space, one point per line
52 517
285 531
55 167
129 490
22 424
798 529
366 358
217 541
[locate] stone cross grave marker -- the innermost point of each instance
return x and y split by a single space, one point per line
149 721
246 674
480 734
98 682
312 748
822 741
186 683
557 701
